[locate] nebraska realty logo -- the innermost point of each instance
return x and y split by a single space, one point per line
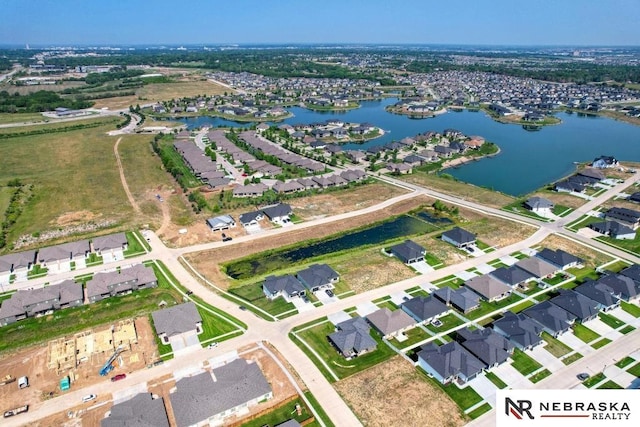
567 408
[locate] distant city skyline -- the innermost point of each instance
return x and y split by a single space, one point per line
200 22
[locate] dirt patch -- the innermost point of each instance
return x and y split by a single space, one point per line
393 393
562 199
372 270
591 257
74 218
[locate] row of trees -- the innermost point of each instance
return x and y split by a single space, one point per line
36 102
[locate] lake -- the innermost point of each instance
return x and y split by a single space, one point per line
528 159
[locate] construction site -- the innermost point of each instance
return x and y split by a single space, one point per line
83 359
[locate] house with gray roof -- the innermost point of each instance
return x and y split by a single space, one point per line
352 338
181 319
17 264
111 247
250 218
58 258
462 299
141 410
622 287
425 309
112 283
537 267
488 346
459 237
318 276
211 397
559 258
555 320
614 229
279 213
539 205
285 286
222 222
632 272
488 287
599 292
409 252
449 362
512 276
390 323
583 308
626 216
289 423
524 332
34 302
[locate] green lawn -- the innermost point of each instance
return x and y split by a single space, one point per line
611 321
635 370
610 385
253 293
591 381
569 360
632 309
391 306
523 363
496 380
584 333
490 307
321 413
464 397
539 376
281 414
449 321
414 335
631 245
627 329
485 407
555 347
625 362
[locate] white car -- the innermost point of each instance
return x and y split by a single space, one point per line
89 397
212 345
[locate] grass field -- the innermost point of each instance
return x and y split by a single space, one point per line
632 309
20 118
569 360
523 363
627 329
554 346
600 343
496 380
590 382
635 370
625 362
584 333
610 385
281 414
610 320
61 125
539 376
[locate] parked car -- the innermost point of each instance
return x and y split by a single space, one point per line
242 307
583 376
89 397
118 377
329 292
226 238
212 345
436 322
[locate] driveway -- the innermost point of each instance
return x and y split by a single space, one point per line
465 275
428 287
547 359
509 375
485 388
338 317
599 326
366 308
508 260
485 268
324 298
572 341
421 267
400 297
301 306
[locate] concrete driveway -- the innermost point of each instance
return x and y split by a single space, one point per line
399 297
421 267
485 268
485 388
547 359
465 275
509 375
338 317
366 308
508 260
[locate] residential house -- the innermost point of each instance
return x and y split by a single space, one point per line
583 308
599 292
622 287
613 229
425 309
353 175
16 264
488 346
285 286
400 168
278 214
210 398
140 410
250 190
222 222
250 218
355 156
539 206
625 216
553 319
449 362
488 287
389 323
635 197
111 247
34 302
537 267
287 187
632 272
513 276
409 252
317 277
459 237
603 162
178 321
524 332
462 299
568 186
559 258
105 285
353 338
60 257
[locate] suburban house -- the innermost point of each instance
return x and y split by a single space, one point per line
34 302
623 287
512 276
352 338
554 320
17 264
59 258
459 237
462 299
390 323
599 292
178 322
635 197
449 362
141 410
583 308
488 287
539 206
603 162
561 259
278 214
488 346
409 252
632 272
521 330
111 247
222 222
537 267
613 229
105 285
285 286
317 277
425 309
626 216
210 397
250 218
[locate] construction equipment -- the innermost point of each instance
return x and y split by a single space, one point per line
65 384
16 411
108 366
7 380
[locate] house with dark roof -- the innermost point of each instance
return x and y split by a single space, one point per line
488 287
178 320
603 162
17 264
285 286
524 332
212 397
111 247
409 252
488 346
539 205
613 229
635 197
632 272
626 216
318 276
561 259
249 219
623 287
569 186
59 258
140 411
278 214
352 338
112 283
583 308
599 292
425 309
553 319
462 299
222 222
449 362
459 237
537 267
390 323
512 276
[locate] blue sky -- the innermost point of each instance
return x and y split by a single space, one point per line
503 22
